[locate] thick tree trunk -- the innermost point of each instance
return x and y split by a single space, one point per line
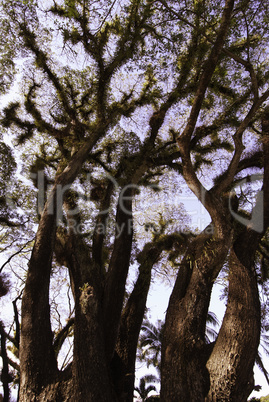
114 291
93 334
90 370
91 377
187 370
184 353
4 370
38 366
123 364
231 363
37 358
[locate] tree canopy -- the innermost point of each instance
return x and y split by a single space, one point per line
114 107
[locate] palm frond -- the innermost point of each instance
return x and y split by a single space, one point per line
260 364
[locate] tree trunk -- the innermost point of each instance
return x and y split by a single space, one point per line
184 353
231 363
124 359
114 291
38 366
4 372
90 370
37 358
96 305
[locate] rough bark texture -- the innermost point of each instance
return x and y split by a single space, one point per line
4 370
224 371
118 271
90 372
123 364
231 363
184 374
37 357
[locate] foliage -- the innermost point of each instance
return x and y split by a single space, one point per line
144 388
121 107
150 343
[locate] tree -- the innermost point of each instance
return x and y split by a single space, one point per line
91 140
262 399
150 341
183 344
143 390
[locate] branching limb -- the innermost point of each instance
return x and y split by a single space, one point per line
185 138
14 255
17 322
132 316
40 124
62 335
42 63
246 63
5 221
100 227
237 137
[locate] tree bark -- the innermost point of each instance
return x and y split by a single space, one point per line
231 363
4 372
114 291
184 353
123 363
90 371
37 357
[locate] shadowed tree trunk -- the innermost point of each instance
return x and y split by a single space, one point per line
4 371
123 364
37 357
124 360
231 363
188 372
184 375
236 348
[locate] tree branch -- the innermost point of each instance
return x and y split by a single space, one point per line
185 138
41 60
14 255
62 335
237 137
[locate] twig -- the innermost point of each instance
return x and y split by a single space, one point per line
13 255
